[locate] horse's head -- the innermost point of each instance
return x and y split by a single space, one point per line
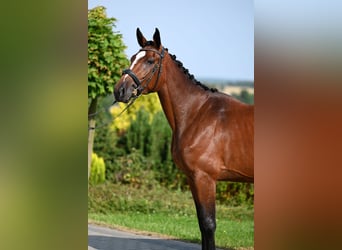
144 72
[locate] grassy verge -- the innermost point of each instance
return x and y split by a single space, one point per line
167 212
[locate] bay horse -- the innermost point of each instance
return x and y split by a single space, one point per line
212 133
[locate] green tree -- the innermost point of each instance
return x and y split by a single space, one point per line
138 133
98 169
149 102
106 59
245 97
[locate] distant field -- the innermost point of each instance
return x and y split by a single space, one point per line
230 86
237 89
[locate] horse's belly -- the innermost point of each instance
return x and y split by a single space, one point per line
236 176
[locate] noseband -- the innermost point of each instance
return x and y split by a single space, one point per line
140 87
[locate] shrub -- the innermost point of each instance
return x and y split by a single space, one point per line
134 170
138 134
149 103
98 169
235 193
106 139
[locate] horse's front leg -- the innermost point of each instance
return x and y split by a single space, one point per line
203 189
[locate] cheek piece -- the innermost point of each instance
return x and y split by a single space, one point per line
140 87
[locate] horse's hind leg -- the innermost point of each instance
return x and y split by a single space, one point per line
203 189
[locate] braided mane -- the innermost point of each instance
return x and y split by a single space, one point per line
186 71
190 76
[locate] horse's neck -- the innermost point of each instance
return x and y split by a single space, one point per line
180 98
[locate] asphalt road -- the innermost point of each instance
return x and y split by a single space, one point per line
101 238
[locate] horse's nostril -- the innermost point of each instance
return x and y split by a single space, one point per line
121 91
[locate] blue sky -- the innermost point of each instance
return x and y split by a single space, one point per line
213 39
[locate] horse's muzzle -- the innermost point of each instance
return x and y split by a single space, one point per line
125 92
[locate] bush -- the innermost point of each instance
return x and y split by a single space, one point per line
149 103
133 169
235 193
138 133
106 139
108 198
98 169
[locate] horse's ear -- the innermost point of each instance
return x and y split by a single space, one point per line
140 37
156 38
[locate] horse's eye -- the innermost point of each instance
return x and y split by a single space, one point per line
150 61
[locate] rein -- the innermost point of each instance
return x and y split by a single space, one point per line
140 87
101 110
105 124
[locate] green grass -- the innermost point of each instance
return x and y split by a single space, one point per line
167 212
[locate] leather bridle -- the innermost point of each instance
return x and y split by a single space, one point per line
142 84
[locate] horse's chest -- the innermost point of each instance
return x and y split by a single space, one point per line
177 153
